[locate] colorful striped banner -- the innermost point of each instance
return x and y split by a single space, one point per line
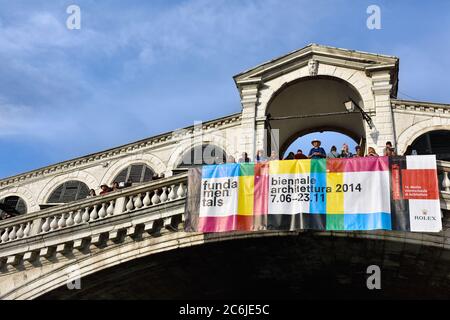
396 193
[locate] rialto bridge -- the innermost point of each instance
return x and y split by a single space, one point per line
131 244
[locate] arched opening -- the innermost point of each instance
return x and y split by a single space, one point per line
328 138
135 173
12 206
305 266
313 105
433 142
69 191
202 155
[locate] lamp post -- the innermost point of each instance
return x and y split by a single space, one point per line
351 105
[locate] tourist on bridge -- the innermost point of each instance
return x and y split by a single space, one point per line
317 152
333 153
260 156
300 155
231 159
345 153
154 177
244 158
358 152
115 186
105 189
371 152
274 156
91 193
389 151
290 156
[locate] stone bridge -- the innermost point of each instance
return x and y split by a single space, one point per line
131 244
44 251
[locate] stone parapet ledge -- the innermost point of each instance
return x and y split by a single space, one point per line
443 168
420 106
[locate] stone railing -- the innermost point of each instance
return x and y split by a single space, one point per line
93 209
444 175
443 168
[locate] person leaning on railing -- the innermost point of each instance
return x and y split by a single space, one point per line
358 152
333 153
5 215
244 158
231 159
299 155
345 153
115 186
91 193
371 152
274 156
105 189
290 156
389 151
260 156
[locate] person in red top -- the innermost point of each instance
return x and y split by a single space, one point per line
300 155
105 189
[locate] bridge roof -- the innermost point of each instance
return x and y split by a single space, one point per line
365 59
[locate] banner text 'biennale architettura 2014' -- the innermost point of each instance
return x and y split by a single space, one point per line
388 193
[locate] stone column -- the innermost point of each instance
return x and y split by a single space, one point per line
383 119
261 135
249 99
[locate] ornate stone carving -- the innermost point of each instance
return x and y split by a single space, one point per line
313 67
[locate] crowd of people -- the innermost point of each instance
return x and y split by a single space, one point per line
104 189
317 152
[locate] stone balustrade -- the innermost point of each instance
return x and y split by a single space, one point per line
90 210
443 168
444 175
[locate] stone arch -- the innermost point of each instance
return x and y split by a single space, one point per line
55 275
25 194
51 277
408 136
185 146
304 132
148 159
284 97
52 184
356 79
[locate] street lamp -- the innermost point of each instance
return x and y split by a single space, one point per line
351 105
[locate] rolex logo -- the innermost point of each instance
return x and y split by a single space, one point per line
424 216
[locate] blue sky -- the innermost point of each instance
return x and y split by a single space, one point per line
139 68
